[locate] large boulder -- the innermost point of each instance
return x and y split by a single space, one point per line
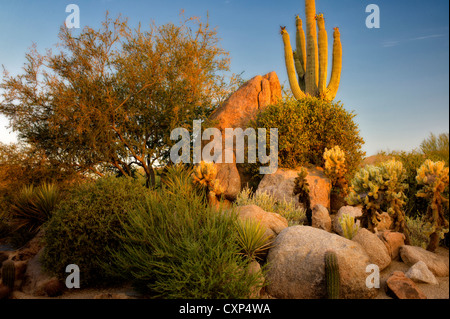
437 264
393 241
297 268
374 247
272 222
36 280
353 211
237 112
321 218
244 104
281 185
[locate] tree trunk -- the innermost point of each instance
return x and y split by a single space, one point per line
434 242
151 181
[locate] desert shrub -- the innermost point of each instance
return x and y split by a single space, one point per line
436 148
417 236
83 226
178 246
294 214
307 127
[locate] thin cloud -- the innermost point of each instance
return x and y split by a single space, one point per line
394 43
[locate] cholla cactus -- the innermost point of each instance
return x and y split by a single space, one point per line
335 168
205 175
434 178
380 188
394 176
307 66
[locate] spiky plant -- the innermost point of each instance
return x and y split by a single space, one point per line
252 238
434 178
379 188
332 274
349 227
34 205
307 66
336 169
301 187
8 274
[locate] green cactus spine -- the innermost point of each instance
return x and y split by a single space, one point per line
9 274
310 59
332 275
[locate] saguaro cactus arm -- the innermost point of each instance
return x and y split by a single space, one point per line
289 60
335 78
312 57
323 55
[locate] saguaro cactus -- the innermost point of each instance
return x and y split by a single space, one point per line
310 59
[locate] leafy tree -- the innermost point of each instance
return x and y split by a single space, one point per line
108 98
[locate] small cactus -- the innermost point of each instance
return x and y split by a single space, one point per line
332 275
349 227
301 187
434 178
9 274
335 168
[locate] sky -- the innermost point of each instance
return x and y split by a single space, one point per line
395 78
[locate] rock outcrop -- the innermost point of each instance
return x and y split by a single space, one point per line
281 186
237 112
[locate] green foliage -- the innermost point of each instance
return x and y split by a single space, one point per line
349 227
177 246
332 274
83 226
8 274
380 188
307 127
434 178
252 239
293 214
109 98
416 227
33 206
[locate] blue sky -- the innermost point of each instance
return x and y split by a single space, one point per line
395 78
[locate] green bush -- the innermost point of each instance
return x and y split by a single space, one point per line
176 246
83 226
307 127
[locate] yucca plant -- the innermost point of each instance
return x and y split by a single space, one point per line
33 206
252 238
